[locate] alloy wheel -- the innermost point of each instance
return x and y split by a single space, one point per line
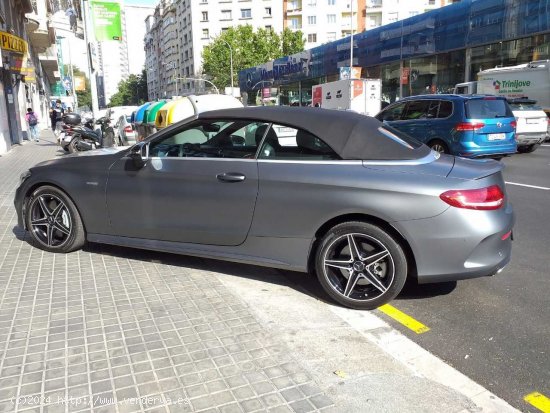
358 267
50 220
439 148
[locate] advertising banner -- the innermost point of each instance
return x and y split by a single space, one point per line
79 83
106 20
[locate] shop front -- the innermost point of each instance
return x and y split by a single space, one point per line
14 57
424 54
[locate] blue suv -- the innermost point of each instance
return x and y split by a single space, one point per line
464 125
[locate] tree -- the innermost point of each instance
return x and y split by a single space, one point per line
132 91
250 48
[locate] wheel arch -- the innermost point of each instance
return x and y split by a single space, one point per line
37 185
370 219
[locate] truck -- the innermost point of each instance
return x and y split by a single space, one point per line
530 80
359 95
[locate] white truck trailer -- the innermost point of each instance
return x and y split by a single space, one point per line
530 80
359 95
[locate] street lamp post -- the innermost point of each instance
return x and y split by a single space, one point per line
230 62
199 79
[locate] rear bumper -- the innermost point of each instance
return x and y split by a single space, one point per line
472 150
530 138
460 244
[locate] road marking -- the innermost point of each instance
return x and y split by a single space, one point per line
529 186
404 319
546 145
540 401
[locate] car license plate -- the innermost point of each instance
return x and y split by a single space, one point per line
497 136
532 121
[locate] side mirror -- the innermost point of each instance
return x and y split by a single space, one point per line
137 155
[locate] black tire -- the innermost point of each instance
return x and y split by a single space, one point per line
527 148
66 232
439 146
72 146
109 139
389 272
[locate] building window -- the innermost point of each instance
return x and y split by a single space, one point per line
205 34
226 14
268 11
268 27
331 18
246 13
331 36
431 2
331 2
312 38
295 24
312 20
204 16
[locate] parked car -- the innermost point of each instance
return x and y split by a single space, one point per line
532 124
470 126
355 201
126 134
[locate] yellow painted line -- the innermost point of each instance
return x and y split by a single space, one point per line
404 319
540 401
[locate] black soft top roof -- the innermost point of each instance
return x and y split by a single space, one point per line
349 134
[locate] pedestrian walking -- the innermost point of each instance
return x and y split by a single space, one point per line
32 122
56 115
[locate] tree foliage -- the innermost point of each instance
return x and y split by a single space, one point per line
250 48
132 91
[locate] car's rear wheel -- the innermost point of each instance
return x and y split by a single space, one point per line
439 146
360 265
527 148
53 220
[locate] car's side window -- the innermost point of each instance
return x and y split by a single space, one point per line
286 143
445 109
416 109
210 139
392 112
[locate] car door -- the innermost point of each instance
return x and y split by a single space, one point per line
199 185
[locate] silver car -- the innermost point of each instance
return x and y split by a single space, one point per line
335 193
124 130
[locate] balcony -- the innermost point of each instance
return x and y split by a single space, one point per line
48 60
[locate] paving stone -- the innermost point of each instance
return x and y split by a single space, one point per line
123 327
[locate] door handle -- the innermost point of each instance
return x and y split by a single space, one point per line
231 177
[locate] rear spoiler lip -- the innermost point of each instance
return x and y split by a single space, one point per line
475 169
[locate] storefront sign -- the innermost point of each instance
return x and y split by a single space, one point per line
106 17
13 43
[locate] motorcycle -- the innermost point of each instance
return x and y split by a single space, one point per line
84 137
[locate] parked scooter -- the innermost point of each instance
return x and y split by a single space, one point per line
84 137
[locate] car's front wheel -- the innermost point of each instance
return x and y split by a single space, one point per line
53 220
360 265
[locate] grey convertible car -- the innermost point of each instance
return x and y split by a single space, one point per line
336 193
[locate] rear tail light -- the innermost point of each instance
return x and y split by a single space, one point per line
128 129
469 126
513 124
490 198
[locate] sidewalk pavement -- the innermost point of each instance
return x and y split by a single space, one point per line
110 329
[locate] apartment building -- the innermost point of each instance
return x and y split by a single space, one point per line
28 58
177 33
324 21
117 60
381 12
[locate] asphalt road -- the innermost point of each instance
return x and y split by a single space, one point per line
497 330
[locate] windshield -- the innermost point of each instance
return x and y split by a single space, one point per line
488 108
